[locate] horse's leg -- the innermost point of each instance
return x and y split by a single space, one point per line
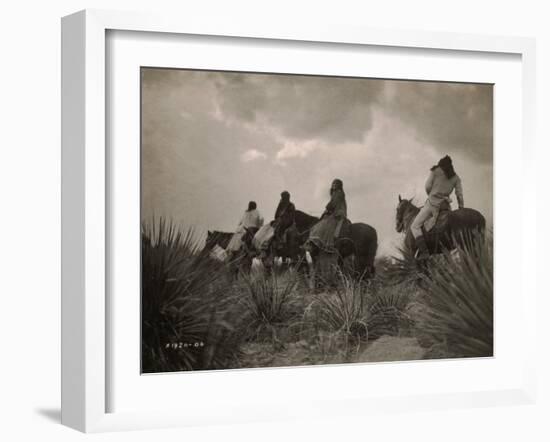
267 262
437 246
234 268
302 266
361 268
312 265
340 263
328 263
246 264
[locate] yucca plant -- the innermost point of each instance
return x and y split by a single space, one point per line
458 317
186 316
387 310
345 310
403 269
268 303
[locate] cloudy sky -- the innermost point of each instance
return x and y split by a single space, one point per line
212 141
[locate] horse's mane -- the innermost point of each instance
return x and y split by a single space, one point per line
219 232
411 204
410 208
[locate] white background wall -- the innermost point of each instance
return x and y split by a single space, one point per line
30 215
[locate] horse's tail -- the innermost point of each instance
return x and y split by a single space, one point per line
477 224
367 256
371 256
469 225
481 230
482 224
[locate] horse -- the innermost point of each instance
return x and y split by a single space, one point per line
289 245
216 238
296 236
441 237
360 242
241 260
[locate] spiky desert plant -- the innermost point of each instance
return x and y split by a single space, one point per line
268 303
345 310
387 309
184 308
458 317
402 269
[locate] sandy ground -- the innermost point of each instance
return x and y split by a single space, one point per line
392 348
384 349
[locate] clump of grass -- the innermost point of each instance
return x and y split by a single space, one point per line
404 269
268 304
344 311
458 318
186 314
388 310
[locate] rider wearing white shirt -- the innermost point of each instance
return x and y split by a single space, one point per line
251 219
440 184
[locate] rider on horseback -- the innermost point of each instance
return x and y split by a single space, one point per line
440 184
328 228
337 206
251 221
284 217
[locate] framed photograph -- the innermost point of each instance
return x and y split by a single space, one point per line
274 222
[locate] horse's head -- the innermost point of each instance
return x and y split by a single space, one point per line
402 208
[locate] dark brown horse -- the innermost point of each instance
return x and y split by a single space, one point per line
442 237
291 246
288 245
360 243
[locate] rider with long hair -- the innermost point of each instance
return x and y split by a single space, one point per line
284 215
324 233
251 221
439 186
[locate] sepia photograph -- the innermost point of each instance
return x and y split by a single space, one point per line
297 220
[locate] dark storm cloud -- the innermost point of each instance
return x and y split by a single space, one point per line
300 107
191 157
213 141
452 117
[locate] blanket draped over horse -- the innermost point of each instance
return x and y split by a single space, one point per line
263 237
325 231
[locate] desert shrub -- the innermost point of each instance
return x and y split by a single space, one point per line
343 311
403 269
458 313
188 320
268 304
363 309
388 310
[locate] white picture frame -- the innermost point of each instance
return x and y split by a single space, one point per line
85 205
